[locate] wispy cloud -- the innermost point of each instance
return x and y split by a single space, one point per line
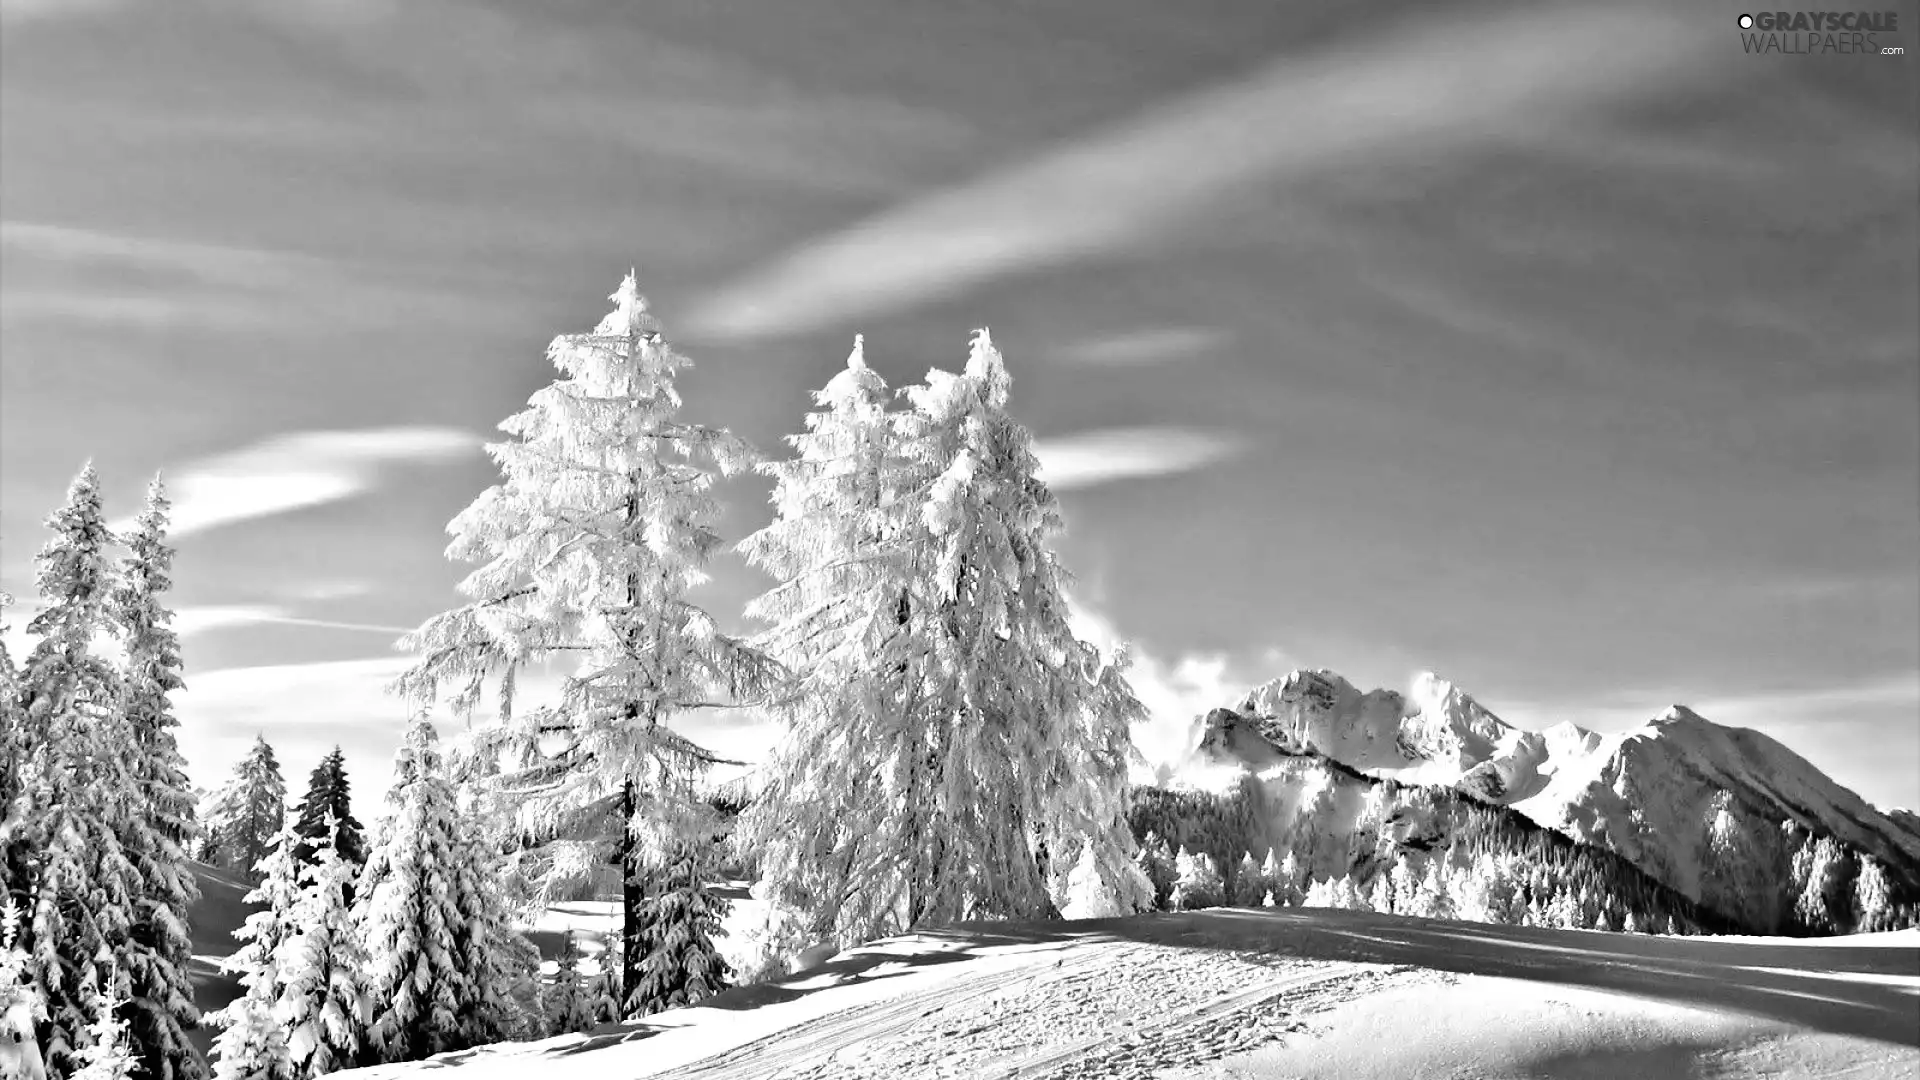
1812 705
322 590
293 472
1110 454
1773 711
194 620
68 273
1433 86
71 276
1145 345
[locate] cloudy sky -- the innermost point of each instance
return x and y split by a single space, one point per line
1567 351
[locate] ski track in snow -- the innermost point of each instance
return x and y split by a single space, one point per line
1113 1011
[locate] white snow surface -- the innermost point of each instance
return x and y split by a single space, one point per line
1566 777
1250 993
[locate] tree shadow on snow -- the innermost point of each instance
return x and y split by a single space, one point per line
1805 985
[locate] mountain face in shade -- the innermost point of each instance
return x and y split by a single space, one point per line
1726 816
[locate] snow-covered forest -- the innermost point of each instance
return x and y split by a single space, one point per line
952 752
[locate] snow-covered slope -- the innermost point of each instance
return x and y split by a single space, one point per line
1256 993
1714 811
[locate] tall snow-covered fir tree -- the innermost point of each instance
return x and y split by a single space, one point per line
840 547
253 1042
431 921
947 730
321 998
159 1008
586 549
79 885
246 811
326 818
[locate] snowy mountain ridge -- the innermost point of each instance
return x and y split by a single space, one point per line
1680 796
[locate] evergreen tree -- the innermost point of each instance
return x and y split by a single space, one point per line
22 1005
253 1042
107 1054
1199 885
570 1004
1872 897
158 834
246 812
1281 877
1380 895
1823 905
608 993
66 860
602 522
1436 894
680 923
1248 884
1405 885
1089 895
516 962
923 613
430 918
1155 863
326 815
321 1000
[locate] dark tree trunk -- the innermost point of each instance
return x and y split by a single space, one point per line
632 896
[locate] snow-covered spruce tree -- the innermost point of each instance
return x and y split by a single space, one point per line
321 1000
76 880
1248 885
569 1000
1282 876
515 963
946 729
246 812
253 1040
1199 885
679 923
608 994
157 837
251 1044
602 522
107 1053
1091 896
1380 896
431 918
326 814
1872 897
1405 885
1155 863
1436 892
23 1006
